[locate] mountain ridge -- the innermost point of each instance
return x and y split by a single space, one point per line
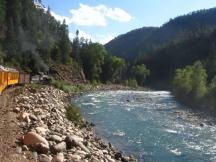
174 29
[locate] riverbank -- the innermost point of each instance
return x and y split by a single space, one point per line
47 135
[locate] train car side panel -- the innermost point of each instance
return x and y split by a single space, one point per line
13 78
27 78
21 78
24 78
3 80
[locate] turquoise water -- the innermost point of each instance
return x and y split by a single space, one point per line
146 125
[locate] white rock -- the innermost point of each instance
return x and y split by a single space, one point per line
43 158
33 139
80 144
74 157
58 158
24 116
41 130
60 147
55 138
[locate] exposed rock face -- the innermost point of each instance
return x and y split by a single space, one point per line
72 72
54 138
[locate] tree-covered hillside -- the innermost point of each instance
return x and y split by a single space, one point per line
32 40
163 60
30 36
132 42
142 40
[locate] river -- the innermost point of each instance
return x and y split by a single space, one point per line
150 125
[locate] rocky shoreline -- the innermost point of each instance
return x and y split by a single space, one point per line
51 137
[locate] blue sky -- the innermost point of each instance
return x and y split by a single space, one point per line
103 20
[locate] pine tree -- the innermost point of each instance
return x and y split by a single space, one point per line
76 48
2 12
65 45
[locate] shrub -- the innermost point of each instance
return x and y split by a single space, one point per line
68 87
73 113
94 82
131 83
190 81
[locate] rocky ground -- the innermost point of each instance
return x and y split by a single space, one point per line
46 135
10 131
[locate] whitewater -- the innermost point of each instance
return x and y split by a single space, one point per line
151 125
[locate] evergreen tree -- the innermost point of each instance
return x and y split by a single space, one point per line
92 57
2 12
56 54
211 62
140 73
76 48
65 44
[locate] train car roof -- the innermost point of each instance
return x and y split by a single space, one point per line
2 68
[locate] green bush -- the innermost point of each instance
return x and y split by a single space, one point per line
68 87
73 113
131 83
34 86
94 82
190 82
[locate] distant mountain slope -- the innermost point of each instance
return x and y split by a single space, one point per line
131 42
164 60
142 40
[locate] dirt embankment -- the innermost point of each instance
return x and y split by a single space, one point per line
72 73
9 129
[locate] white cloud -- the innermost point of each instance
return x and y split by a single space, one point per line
118 14
103 39
82 34
60 18
87 15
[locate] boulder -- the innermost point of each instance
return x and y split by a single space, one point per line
80 144
33 117
41 130
110 160
58 158
55 138
43 158
42 148
72 141
125 159
24 148
118 156
74 157
18 150
16 109
24 116
59 147
33 139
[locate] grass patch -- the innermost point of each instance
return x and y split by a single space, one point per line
73 113
131 83
68 87
34 86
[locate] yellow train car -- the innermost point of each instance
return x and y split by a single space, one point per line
8 77
3 80
13 78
